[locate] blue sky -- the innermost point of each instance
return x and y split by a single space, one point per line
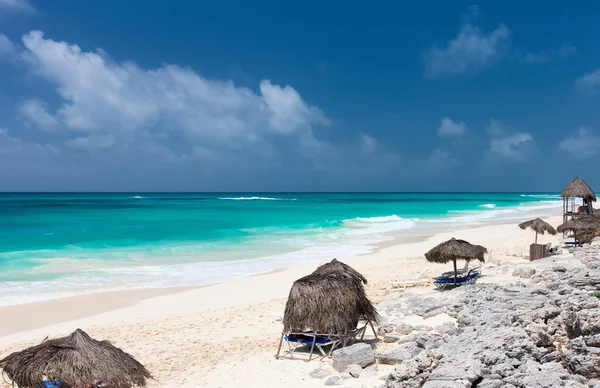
314 96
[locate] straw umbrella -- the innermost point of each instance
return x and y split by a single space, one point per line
76 361
538 226
326 303
453 250
339 267
583 227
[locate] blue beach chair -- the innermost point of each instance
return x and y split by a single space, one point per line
298 341
49 384
56 384
447 279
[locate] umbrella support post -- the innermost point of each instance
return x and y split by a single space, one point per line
454 261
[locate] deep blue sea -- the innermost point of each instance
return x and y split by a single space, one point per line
55 245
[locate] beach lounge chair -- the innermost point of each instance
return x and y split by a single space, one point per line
56 384
447 281
301 346
411 281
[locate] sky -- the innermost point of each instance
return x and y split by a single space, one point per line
298 96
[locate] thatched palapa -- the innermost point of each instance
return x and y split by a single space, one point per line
453 250
538 226
328 301
578 188
580 224
76 361
583 228
335 266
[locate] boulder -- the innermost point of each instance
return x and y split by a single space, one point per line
526 272
360 353
404 328
402 353
354 370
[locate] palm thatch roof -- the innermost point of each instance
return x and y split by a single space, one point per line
578 188
337 266
584 237
326 303
76 361
580 224
538 226
454 249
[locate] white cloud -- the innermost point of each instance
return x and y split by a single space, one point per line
583 145
440 159
589 83
16 6
368 144
122 112
6 47
508 145
451 128
471 51
92 141
11 146
288 112
131 103
550 55
35 111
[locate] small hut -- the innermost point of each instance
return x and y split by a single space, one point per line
577 188
583 228
75 361
327 303
453 250
537 251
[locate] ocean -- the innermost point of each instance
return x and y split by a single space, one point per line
58 245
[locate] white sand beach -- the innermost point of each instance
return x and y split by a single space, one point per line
226 335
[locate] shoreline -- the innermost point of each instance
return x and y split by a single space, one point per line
404 236
59 311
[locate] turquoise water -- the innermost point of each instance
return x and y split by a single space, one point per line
53 245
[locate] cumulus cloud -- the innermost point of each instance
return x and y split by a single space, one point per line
589 82
507 145
583 145
471 51
118 114
6 47
16 6
12 146
35 111
440 159
368 144
130 103
451 128
550 55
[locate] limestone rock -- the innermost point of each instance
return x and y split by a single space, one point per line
526 272
334 380
403 352
354 370
359 353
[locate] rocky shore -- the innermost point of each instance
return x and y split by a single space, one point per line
540 329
